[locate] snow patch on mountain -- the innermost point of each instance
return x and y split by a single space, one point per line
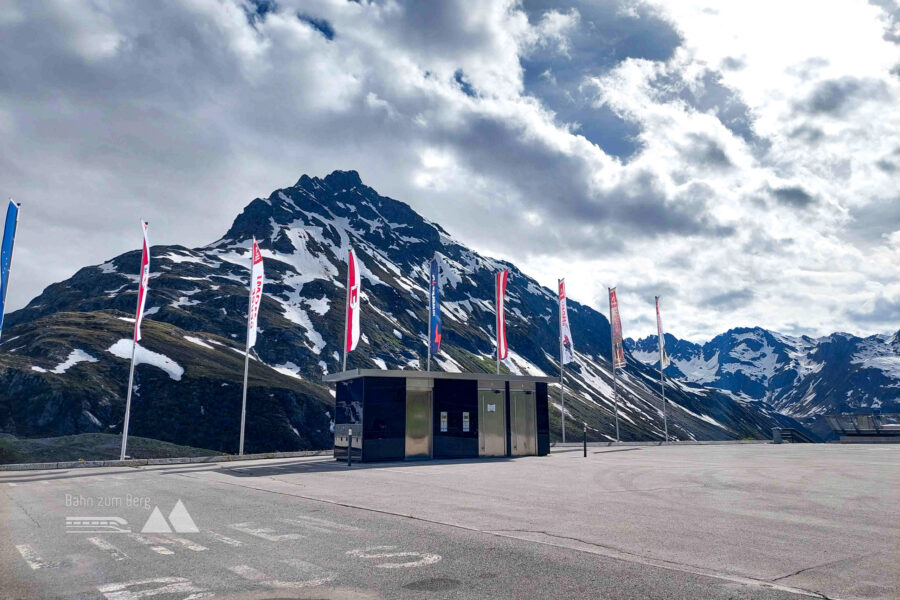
697 369
143 356
877 353
198 341
75 356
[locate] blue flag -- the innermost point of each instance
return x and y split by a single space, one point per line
434 330
6 252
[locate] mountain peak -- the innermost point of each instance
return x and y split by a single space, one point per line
336 180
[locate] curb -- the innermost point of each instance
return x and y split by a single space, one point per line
140 462
658 443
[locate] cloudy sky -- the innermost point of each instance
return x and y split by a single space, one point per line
740 159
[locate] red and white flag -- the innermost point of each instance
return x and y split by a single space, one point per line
256 286
352 303
616 330
143 285
502 348
565 332
663 357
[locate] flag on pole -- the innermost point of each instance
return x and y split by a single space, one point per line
352 303
256 286
616 330
502 348
143 285
663 356
6 252
434 329
568 352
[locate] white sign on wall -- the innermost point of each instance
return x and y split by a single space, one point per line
443 421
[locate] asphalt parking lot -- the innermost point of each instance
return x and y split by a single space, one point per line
755 521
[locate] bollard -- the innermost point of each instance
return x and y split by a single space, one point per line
349 447
585 440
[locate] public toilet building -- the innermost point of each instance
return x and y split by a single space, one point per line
414 415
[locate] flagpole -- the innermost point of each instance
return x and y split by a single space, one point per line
497 310
128 401
562 368
246 358
430 313
347 311
133 350
662 382
612 341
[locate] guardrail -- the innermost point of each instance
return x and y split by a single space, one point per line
140 462
790 435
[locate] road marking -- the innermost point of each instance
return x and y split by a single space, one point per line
33 558
147 542
426 559
172 585
12 484
188 543
171 540
265 533
321 525
225 539
251 574
104 545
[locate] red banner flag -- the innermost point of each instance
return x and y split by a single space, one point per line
661 339
616 330
256 285
502 349
567 354
352 303
143 284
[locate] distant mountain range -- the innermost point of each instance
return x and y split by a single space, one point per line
64 357
801 377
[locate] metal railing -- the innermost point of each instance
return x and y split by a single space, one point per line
790 435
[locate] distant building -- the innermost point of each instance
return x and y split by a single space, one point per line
866 429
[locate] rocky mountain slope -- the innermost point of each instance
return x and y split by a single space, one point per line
64 361
802 377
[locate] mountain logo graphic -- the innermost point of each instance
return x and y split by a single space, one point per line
179 521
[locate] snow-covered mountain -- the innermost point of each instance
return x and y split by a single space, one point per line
802 377
63 371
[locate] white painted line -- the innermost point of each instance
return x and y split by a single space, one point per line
321 524
188 543
33 558
225 539
171 585
424 560
114 552
251 574
265 533
147 542
12 484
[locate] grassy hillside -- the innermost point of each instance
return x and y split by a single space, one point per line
89 446
200 406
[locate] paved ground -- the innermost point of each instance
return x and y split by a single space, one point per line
754 521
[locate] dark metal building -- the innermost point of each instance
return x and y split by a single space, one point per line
397 415
878 428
